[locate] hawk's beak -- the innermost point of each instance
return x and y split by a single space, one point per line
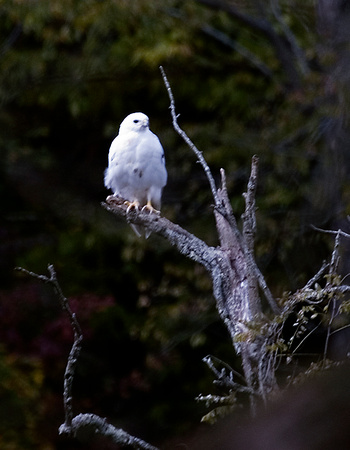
145 123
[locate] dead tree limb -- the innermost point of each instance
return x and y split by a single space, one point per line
76 348
230 270
100 426
231 265
73 425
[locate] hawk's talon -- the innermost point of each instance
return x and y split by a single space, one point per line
150 208
132 205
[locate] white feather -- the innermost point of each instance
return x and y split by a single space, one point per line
136 165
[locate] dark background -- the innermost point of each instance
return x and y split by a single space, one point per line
248 77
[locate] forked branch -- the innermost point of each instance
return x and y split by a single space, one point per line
76 348
72 425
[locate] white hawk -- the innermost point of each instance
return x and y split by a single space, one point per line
136 166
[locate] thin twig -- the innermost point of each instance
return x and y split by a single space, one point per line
266 290
340 232
333 313
333 267
329 290
306 337
340 289
229 216
339 329
227 381
210 359
333 270
188 141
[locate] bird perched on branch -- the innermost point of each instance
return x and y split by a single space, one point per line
136 166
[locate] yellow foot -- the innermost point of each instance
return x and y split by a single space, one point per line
132 205
150 208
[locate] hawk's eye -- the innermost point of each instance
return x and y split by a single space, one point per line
136 121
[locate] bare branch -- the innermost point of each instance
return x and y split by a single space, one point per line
331 303
249 219
315 297
249 230
102 427
264 287
43 278
187 244
188 140
228 268
335 232
340 289
305 338
229 284
226 223
333 287
225 201
76 348
236 240
213 259
72 425
229 216
224 378
333 268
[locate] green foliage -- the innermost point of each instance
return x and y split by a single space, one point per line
21 381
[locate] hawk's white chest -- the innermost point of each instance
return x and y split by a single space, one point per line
136 165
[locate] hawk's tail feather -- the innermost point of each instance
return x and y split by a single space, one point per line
141 231
138 230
